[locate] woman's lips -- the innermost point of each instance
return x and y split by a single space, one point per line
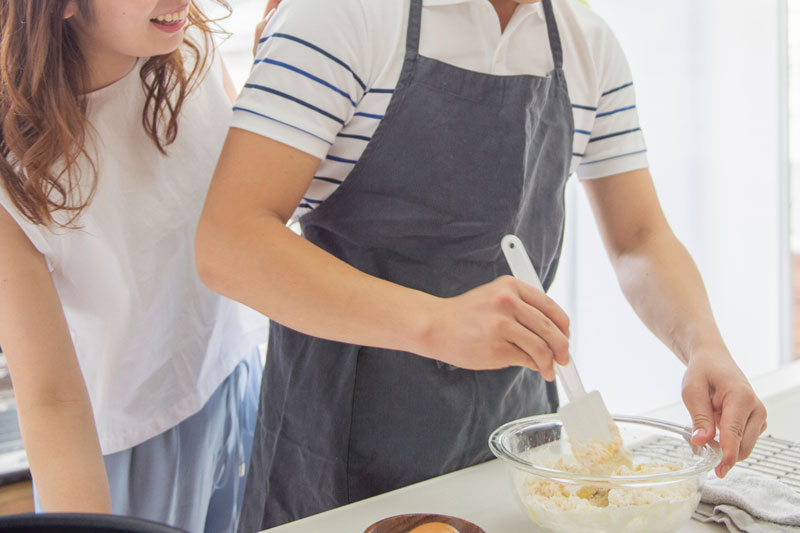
171 22
169 27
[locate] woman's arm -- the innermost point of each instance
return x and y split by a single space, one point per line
245 251
662 283
54 411
272 5
227 83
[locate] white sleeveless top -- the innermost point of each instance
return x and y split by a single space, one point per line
153 342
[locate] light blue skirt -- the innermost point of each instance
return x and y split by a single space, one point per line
192 476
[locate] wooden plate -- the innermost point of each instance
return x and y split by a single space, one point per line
404 523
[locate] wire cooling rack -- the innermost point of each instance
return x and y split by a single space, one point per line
774 457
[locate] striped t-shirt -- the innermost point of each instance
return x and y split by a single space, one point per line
325 72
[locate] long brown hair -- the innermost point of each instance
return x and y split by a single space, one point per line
43 122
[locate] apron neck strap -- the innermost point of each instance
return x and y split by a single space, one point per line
552 34
414 28
415 25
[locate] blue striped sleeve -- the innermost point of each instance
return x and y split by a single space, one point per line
309 76
311 46
616 142
295 100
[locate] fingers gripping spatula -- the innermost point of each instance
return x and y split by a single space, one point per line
585 418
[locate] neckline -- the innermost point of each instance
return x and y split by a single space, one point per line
414 30
102 92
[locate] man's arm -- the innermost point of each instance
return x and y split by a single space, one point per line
55 415
245 251
662 283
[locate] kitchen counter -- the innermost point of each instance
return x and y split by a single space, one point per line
483 495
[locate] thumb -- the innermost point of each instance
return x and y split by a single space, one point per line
698 401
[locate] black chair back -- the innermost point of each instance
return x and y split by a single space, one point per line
81 522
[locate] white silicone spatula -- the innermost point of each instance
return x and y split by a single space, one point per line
585 417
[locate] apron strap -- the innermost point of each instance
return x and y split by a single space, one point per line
552 34
414 27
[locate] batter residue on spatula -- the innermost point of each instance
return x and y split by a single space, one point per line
600 457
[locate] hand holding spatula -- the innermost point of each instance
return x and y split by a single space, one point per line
593 435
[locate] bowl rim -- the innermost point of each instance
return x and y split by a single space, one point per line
500 451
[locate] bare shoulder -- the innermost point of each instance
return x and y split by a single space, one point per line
17 248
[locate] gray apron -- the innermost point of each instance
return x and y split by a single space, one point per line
460 159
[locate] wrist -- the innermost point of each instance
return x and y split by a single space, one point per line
425 325
704 342
708 352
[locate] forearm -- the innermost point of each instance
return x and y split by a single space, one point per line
55 413
64 455
271 269
662 284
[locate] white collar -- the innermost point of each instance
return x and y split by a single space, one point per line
522 8
428 3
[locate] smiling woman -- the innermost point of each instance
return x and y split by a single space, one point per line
135 384
101 43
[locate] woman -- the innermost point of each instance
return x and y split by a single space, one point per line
135 385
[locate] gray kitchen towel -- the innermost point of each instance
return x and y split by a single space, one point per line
746 501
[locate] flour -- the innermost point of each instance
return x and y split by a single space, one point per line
556 506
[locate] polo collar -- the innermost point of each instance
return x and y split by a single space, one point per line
522 8
433 3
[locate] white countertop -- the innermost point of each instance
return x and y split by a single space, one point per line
481 494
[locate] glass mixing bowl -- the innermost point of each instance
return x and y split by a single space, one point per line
660 496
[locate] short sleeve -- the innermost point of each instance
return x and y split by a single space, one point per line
616 143
308 75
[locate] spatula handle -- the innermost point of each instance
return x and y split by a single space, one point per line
570 380
522 268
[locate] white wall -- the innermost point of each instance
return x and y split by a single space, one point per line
237 49
707 79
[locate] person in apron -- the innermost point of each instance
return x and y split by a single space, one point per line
459 159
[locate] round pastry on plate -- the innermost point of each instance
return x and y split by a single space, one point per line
423 523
